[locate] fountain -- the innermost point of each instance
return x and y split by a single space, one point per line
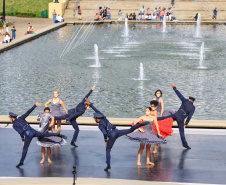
141 72
201 57
97 64
164 24
198 25
126 28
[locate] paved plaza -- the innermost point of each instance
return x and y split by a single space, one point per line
204 163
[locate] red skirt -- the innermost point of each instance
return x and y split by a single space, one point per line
165 127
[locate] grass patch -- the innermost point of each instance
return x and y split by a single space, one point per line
12 7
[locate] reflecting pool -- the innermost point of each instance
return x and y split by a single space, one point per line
29 73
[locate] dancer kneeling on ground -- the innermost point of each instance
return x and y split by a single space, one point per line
110 132
186 110
26 132
147 135
74 113
47 121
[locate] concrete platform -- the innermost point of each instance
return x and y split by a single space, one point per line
204 163
188 22
82 181
127 122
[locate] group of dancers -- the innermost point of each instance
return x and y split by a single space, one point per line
152 128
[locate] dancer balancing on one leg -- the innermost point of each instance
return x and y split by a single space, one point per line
110 132
27 132
146 135
186 110
74 113
46 123
56 103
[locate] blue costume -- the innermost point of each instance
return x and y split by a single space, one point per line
110 132
73 114
27 132
186 109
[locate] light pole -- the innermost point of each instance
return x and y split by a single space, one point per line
4 10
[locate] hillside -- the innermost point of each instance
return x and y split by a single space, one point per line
34 6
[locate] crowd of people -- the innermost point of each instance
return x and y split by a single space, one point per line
5 31
103 14
157 14
150 129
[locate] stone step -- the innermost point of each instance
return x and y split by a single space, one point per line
184 9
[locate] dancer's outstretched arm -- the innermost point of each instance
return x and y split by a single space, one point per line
96 110
182 98
89 93
81 106
29 111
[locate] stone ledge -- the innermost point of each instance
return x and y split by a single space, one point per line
127 122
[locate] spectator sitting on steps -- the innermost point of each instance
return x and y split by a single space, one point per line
7 38
59 19
134 16
97 17
28 29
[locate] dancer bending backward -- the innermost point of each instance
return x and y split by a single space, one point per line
160 107
74 113
146 135
186 110
46 123
110 132
27 132
56 103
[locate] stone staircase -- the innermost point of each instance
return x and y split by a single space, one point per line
184 9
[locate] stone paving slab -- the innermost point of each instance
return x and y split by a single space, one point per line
82 181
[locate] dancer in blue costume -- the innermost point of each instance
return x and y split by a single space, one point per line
186 110
26 132
74 113
110 132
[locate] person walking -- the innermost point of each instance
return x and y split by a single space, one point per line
79 13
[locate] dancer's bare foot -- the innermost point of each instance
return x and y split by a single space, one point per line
49 161
42 161
138 163
150 163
